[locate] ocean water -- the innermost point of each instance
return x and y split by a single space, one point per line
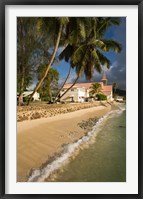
100 156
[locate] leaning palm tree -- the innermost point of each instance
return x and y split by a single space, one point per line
75 33
95 89
56 22
66 54
89 53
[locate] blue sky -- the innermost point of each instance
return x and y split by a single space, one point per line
117 71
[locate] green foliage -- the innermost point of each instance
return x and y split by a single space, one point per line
101 97
115 86
32 49
25 99
95 89
25 45
49 86
83 38
124 97
115 95
49 27
104 23
86 38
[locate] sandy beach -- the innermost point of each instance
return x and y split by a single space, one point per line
40 140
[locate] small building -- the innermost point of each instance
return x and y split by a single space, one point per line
119 99
80 91
36 96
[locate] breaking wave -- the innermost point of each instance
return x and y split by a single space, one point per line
39 175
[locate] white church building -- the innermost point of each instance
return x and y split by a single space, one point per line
80 91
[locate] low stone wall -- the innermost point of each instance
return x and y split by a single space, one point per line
41 110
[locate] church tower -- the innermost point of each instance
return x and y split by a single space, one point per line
104 79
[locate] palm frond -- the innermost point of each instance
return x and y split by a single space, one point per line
63 20
66 53
99 44
89 71
103 59
82 30
95 56
81 64
95 88
79 53
112 45
98 67
105 22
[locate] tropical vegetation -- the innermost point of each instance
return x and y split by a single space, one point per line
81 38
115 86
95 89
101 97
49 86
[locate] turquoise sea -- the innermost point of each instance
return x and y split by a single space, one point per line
100 156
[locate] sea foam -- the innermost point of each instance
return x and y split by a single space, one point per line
39 175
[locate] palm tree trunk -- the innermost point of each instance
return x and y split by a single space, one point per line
63 85
50 63
69 87
20 98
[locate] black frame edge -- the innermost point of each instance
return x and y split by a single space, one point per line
2 100
71 2
140 100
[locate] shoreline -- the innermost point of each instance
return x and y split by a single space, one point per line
33 111
40 141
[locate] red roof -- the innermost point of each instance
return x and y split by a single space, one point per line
81 85
106 92
107 89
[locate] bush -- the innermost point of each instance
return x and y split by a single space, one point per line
25 99
115 95
124 97
101 97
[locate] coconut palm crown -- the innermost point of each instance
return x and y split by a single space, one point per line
90 56
95 89
87 51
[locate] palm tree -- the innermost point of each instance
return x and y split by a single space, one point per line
66 54
28 44
75 32
115 86
89 52
60 22
95 89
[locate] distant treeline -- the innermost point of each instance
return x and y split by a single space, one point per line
120 92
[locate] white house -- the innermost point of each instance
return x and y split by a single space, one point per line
36 96
80 91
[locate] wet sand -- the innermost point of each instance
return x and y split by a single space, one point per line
39 140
